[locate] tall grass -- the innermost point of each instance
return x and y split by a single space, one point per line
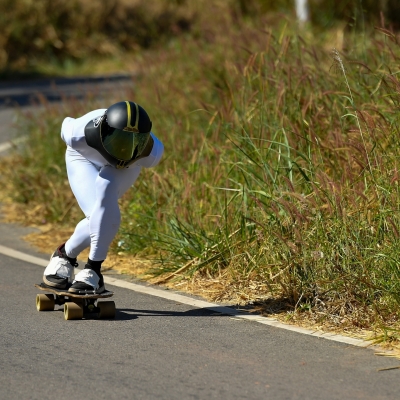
293 182
280 171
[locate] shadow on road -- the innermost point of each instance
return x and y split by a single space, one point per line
131 313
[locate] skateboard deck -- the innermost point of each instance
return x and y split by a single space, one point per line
76 306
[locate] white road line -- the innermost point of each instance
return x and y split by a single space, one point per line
170 295
5 146
22 256
8 145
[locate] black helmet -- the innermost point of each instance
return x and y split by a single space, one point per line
121 134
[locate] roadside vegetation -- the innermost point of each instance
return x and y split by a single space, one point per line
279 187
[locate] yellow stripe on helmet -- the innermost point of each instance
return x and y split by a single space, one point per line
129 127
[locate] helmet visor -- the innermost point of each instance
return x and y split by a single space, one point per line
123 145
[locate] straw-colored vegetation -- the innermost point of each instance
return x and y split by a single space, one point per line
280 181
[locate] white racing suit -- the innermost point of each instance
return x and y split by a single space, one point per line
97 187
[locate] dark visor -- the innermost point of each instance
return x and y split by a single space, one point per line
122 144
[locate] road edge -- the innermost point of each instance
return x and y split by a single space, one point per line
181 298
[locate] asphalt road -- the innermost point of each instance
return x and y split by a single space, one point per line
27 93
159 349
162 349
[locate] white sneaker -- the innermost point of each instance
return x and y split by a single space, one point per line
88 281
59 270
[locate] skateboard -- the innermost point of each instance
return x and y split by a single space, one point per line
76 306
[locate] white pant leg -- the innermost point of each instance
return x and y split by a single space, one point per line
80 239
97 191
82 175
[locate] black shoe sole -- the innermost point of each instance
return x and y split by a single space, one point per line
88 290
54 285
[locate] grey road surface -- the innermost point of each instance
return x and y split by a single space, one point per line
25 95
158 349
7 119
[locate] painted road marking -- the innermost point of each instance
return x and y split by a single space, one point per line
173 296
5 146
8 145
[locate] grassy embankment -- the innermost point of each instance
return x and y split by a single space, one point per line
279 184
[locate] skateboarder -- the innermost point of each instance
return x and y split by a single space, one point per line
106 149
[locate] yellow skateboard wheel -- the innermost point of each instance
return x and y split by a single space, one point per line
45 302
107 309
73 311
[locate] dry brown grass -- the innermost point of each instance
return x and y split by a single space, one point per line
49 235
